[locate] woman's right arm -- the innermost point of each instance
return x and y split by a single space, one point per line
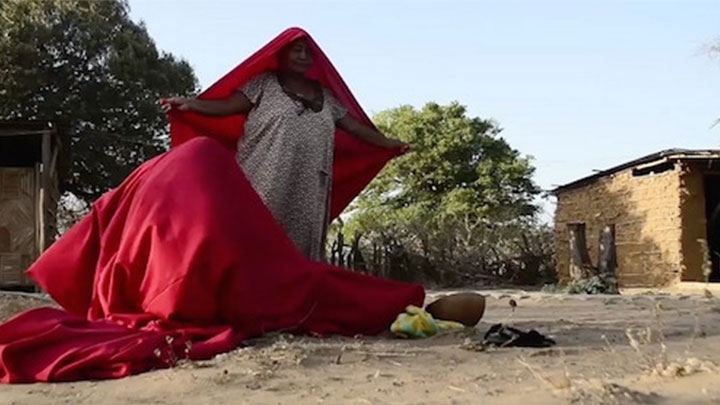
238 103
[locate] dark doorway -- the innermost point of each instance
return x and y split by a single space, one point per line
20 150
712 211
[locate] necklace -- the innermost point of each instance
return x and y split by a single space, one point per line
313 103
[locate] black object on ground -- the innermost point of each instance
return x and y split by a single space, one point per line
500 335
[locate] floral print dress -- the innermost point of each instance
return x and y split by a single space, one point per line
287 154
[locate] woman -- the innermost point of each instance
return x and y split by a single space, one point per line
287 149
185 260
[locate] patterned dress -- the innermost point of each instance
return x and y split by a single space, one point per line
287 155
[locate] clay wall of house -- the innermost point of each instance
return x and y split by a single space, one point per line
646 211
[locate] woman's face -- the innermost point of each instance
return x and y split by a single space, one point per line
297 57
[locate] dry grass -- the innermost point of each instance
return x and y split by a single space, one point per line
665 338
649 344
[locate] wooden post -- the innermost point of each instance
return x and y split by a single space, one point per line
580 265
355 259
607 257
333 249
340 248
38 208
46 155
53 192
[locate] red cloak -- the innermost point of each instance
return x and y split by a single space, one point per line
183 260
356 163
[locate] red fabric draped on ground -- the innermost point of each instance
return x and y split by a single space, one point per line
182 260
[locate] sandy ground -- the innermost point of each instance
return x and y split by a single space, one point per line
594 361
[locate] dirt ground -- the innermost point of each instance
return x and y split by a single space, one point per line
670 359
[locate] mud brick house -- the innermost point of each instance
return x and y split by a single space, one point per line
662 206
28 197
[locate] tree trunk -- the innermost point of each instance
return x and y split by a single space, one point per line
333 250
355 260
580 265
340 248
384 255
376 259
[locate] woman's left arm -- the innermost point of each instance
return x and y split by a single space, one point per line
367 134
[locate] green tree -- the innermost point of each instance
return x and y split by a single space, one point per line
85 65
460 198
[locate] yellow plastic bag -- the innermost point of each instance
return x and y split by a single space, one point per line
417 323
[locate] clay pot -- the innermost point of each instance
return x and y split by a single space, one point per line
465 308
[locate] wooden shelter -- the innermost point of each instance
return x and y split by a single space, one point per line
28 197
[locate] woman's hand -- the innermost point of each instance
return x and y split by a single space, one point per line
368 134
179 103
395 143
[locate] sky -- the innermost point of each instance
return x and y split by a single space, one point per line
576 85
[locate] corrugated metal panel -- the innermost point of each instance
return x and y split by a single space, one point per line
669 155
